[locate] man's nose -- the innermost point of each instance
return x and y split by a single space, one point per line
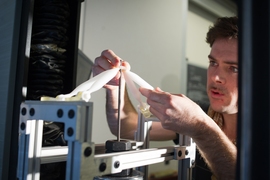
218 77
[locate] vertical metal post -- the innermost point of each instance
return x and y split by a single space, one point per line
14 16
245 90
142 135
254 81
184 170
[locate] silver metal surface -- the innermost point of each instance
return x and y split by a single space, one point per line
53 154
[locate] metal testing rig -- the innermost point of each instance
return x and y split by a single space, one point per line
84 158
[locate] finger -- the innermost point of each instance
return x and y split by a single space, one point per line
103 64
106 61
159 97
156 113
112 57
145 92
97 70
158 89
126 65
156 105
154 99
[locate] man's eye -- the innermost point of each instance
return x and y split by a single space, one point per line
234 69
212 63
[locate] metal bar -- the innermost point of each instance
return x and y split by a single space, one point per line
74 165
92 165
38 131
142 134
13 29
185 165
31 148
254 115
53 151
119 106
23 157
245 90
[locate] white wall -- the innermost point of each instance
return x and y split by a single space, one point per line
147 34
197 50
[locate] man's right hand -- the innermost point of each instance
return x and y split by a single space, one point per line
128 114
108 60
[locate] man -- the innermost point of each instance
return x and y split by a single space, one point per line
215 132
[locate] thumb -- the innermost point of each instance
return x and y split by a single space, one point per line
158 89
126 65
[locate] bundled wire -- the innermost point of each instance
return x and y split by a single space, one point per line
48 48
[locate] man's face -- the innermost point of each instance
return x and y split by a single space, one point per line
222 76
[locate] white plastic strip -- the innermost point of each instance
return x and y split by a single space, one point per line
138 80
134 90
84 90
91 85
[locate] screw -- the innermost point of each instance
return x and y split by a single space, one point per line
23 111
22 126
87 151
186 152
102 167
60 113
32 112
179 153
70 131
71 113
116 164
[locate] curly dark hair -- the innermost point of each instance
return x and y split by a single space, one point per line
224 27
